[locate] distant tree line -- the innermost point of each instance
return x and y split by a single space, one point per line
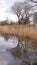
6 23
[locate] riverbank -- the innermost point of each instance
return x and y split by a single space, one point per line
24 31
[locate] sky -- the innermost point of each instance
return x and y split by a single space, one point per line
4 7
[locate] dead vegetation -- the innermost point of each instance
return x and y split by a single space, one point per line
25 31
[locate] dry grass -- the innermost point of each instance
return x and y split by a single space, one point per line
25 31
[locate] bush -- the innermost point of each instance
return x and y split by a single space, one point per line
24 21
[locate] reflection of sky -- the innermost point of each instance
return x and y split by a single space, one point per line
10 43
5 5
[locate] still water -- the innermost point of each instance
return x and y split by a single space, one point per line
14 51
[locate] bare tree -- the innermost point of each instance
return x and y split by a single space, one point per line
35 17
22 9
17 8
27 8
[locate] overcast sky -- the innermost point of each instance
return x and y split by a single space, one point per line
4 6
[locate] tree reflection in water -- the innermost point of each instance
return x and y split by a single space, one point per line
28 54
19 51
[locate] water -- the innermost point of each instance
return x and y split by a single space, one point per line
14 51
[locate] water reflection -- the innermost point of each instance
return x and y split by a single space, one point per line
5 56
12 42
27 53
14 51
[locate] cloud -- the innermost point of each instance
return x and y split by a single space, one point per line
4 5
2 16
12 17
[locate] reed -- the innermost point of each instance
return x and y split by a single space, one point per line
24 31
